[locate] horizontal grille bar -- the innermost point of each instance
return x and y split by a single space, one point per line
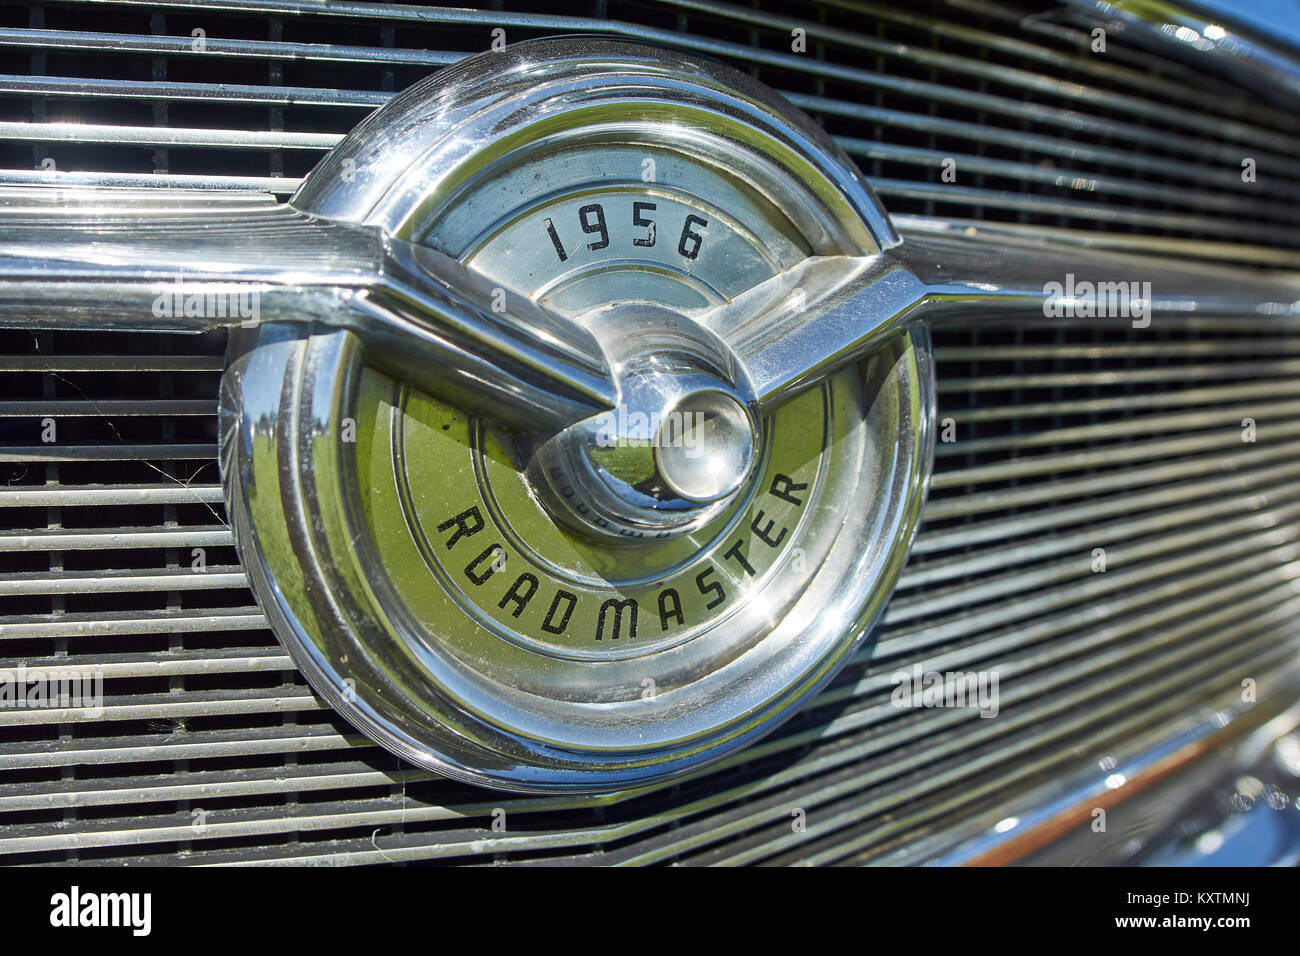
100 495
1203 546
1041 130
1065 438
51 539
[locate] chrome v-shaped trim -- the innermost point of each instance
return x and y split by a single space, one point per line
106 258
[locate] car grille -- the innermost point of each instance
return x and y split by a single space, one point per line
1042 130
1066 439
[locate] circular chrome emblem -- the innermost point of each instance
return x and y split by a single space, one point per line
610 597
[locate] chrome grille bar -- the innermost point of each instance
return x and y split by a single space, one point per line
1171 623
1185 147
1070 438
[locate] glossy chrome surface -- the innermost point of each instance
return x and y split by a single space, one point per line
103 259
394 630
354 594
1100 658
996 579
1220 791
1114 111
1209 34
526 351
441 313
398 167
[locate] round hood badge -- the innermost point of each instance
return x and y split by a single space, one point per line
637 542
